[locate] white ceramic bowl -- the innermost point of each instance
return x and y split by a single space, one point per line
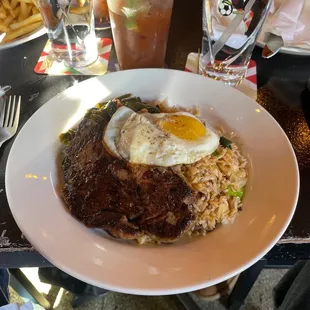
32 185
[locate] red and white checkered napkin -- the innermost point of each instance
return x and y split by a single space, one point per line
47 64
248 86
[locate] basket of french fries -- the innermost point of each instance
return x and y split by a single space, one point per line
18 19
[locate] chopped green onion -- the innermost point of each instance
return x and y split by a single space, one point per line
225 142
232 193
216 153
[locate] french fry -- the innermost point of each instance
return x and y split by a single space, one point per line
7 6
17 10
35 3
35 10
30 20
26 1
29 7
3 27
10 18
23 11
21 31
18 18
14 4
3 13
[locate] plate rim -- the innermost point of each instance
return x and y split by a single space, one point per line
40 32
183 289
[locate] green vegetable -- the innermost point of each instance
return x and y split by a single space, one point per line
123 96
111 107
233 193
216 153
106 111
103 113
66 137
100 105
225 142
131 99
136 105
104 103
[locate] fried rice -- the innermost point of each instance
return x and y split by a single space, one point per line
218 181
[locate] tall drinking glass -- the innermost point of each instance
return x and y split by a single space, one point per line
71 30
140 31
230 31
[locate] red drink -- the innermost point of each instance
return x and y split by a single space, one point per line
140 32
101 11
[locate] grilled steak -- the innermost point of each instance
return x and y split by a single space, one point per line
128 201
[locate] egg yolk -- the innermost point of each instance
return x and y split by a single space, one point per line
184 127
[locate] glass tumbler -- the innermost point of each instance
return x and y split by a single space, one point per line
140 31
230 31
71 30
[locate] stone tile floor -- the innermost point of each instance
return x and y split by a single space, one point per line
260 297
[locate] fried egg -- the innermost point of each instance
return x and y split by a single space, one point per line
162 139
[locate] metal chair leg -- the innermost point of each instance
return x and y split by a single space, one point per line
187 302
4 285
244 284
3 300
28 286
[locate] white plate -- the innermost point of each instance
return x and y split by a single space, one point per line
32 184
288 49
302 49
31 36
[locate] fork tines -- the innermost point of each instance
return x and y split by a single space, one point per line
10 114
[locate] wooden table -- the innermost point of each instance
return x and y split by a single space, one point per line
281 80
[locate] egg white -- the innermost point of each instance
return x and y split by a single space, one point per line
140 139
113 130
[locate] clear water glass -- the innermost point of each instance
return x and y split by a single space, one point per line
71 30
230 31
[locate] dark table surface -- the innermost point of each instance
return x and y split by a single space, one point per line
281 81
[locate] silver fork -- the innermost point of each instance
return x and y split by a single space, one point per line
9 117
